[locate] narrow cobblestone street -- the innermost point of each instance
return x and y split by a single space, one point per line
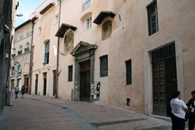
44 113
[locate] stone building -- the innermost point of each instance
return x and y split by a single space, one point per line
7 15
129 54
21 49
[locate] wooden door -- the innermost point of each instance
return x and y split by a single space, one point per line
36 85
12 84
171 81
159 89
54 82
45 84
85 86
85 81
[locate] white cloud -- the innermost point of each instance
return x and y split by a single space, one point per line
26 7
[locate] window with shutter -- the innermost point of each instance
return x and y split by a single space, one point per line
70 68
128 72
152 18
104 66
46 59
89 23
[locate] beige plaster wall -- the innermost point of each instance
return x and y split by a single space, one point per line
175 18
129 40
48 29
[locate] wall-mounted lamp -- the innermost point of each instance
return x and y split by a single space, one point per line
19 15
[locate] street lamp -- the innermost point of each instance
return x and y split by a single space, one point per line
19 15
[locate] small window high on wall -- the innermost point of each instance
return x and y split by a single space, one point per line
128 72
46 59
106 29
70 73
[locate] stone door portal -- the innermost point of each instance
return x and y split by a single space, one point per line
84 54
164 79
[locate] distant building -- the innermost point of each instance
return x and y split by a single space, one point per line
137 52
7 14
20 61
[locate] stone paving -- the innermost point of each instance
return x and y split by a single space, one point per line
45 113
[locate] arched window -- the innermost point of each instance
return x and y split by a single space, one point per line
20 50
13 70
27 47
13 52
46 59
28 44
19 69
68 42
106 29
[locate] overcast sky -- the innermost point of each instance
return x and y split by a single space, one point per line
26 7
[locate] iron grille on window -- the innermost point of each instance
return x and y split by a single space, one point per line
153 18
86 4
163 53
104 66
46 59
128 72
70 73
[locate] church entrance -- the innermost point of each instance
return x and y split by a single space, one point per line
85 81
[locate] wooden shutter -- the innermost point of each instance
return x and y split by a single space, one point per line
46 59
128 72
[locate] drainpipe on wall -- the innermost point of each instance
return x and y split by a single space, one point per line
31 59
58 46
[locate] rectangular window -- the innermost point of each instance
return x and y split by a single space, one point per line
46 59
128 72
89 20
70 73
15 40
28 33
104 66
86 4
21 37
152 18
39 30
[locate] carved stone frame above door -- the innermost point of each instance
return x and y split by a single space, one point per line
83 52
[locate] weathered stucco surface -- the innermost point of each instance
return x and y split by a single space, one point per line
129 40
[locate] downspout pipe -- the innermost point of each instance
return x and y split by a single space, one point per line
31 58
58 46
